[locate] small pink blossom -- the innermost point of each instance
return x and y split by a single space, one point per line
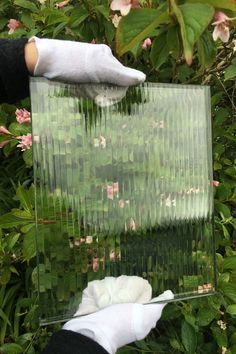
22 116
102 141
62 4
110 192
121 203
115 20
94 41
4 131
89 239
216 183
116 187
25 142
147 42
124 6
132 224
222 26
13 25
112 255
95 264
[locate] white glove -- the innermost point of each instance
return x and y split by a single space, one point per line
82 63
114 290
121 324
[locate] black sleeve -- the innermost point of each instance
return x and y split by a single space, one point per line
14 76
68 342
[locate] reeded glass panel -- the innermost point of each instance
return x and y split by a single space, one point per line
123 186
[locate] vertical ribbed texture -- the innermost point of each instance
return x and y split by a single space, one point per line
122 189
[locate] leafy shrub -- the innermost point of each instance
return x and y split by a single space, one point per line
171 41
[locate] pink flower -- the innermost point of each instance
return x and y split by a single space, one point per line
132 224
13 25
112 255
116 187
102 141
110 192
222 25
22 116
62 4
121 203
124 6
216 183
95 264
25 141
94 41
115 20
89 239
147 42
4 131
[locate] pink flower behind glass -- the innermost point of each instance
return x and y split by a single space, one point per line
222 25
110 192
22 116
216 183
25 142
147 42
124 6
13 25
132 224
116 187
95 264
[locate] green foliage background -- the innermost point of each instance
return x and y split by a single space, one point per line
181 32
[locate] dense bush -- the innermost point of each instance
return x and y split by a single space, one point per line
171 41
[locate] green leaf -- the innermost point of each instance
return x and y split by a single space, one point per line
173 41
230 262
220 336
104 10
221 4
230 71
11 348
137 25
229 290
25 198
9 220
26 4
29 245
159 50
19 129
206 50
28 157
189 337
193 20
231 309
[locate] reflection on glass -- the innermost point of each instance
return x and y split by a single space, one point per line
123 186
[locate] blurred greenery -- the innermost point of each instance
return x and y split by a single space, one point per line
181 32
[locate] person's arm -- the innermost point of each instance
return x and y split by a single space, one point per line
31 56
14 81
70 342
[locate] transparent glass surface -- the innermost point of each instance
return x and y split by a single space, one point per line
123 186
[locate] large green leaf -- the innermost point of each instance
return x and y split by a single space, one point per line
137 25
29 245
206 50
231 309
230 262
230 72
189 337
193 20
160 50
26 4
222 4
11 348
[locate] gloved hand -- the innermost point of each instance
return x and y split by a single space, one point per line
82 63
120 324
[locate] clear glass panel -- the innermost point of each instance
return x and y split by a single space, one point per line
123 186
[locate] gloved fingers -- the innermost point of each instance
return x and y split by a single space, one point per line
165 296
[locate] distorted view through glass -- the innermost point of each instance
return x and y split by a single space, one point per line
123 186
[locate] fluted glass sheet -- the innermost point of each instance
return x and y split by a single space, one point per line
123 183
